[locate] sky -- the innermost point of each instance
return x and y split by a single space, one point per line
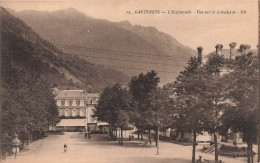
192 30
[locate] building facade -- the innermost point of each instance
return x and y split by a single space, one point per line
75 109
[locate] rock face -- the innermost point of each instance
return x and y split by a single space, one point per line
110 39
26 50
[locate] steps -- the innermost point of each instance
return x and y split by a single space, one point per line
211 148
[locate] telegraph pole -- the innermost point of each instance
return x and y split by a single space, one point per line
158 137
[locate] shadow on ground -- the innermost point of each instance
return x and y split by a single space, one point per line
106 142
152 160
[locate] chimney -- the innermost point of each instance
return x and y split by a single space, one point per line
200 48
219 49
232 49
242 48
247 49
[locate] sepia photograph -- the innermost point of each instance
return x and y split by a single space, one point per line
129 81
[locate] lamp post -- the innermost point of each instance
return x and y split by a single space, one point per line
86 127
15 144
158 134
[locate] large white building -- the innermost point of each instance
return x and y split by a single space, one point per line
75 109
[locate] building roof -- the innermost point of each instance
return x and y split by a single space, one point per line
72 122
71 94
55 91
92 98
93 95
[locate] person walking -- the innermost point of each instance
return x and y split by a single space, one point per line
65 147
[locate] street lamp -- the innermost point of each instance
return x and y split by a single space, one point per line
15 144
158 134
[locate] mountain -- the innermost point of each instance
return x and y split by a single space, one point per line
27 51
129 48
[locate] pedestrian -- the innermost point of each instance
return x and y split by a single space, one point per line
199 160
65 147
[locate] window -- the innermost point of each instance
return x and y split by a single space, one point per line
67 114
70 103
60 112
78 102
62 102
82 113
74 112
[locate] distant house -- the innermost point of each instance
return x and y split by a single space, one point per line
75 109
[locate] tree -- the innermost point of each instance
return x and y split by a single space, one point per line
114 106
28 105
161 110
190 102
142 88
215 95
243 90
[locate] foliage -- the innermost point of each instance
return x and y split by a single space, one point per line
142 89
28 105
242 89
190 102
113 106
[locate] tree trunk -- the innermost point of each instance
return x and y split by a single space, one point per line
194 146
170 136
248 151
182 136
31 137
258 130
138 136
22 144
150 137
156 139
116 133
142 138
121 135
258 140
252 155
216 146
177 134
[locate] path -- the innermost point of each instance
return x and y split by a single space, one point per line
99 149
